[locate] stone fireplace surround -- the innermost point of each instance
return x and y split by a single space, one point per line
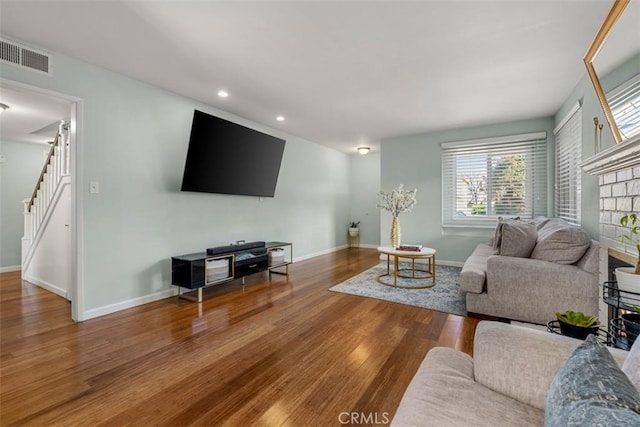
618 171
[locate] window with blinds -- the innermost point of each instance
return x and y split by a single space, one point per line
625 107
568 136
486 178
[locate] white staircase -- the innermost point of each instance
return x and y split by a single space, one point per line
45 244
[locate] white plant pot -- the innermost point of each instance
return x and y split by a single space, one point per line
627 281
354 231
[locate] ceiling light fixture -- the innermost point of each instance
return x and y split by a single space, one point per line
363 150
280 118
223 94
3 107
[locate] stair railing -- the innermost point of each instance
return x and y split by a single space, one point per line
55 167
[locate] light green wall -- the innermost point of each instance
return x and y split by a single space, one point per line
365 185
18 176
134 141
585 93
415 161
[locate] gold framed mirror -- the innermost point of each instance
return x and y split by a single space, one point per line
595 48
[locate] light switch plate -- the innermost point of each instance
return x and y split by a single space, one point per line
94 187
3 158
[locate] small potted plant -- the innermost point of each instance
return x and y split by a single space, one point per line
576 324
354 230
628 278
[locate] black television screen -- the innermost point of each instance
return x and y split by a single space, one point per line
225 157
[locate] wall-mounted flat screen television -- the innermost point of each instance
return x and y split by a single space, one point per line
225 157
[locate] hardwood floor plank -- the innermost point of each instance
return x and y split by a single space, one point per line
284 351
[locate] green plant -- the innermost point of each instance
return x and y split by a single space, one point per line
354 224
632 223
637 308
578 318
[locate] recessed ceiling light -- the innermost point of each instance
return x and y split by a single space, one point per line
280 118
223 94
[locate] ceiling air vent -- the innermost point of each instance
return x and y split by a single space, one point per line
24 56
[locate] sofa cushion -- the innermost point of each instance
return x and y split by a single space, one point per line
474 274
517 361
631 365
483 250
540 221
591 390
443 393
590 261
474 271
561 242
518 239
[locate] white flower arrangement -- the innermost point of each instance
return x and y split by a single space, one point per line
397 201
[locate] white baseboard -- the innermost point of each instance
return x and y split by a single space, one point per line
46 285
134 302
366 246
325 252
10 269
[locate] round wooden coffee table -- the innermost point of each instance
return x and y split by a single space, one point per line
418 274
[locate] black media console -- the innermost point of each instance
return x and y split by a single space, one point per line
249 258
225 263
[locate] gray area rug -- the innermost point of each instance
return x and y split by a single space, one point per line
446 296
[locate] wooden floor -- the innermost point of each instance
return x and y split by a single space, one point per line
281 352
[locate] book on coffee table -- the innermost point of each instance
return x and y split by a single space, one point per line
413 248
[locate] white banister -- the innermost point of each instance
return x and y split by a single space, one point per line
56 168
27 219
63 131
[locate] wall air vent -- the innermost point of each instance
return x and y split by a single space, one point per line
23 56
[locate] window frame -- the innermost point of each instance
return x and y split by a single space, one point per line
536 175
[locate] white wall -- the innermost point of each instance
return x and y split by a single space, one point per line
134 139
50 263
18 176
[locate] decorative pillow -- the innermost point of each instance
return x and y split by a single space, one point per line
497 235
560 242
591 390
518 239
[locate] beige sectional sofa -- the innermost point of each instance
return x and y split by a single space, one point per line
555 269
505 383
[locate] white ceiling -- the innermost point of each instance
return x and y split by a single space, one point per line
31 118
343 74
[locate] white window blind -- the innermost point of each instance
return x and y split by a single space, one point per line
624 102
486 178
568 186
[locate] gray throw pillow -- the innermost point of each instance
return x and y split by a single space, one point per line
497 235
591 390
561 242
518 239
